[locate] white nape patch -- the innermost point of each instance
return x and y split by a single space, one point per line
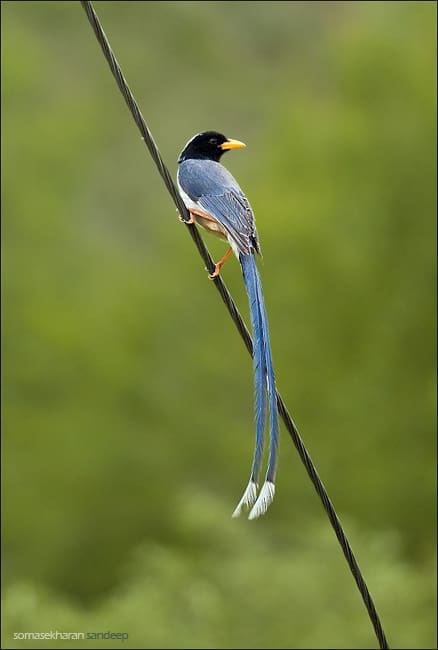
249 496
264 500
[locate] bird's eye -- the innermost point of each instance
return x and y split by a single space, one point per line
213 141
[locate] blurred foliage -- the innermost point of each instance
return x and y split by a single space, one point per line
127 395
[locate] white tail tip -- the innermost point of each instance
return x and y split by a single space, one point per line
264 500
249 496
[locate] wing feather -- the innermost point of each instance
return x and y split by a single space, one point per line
216 192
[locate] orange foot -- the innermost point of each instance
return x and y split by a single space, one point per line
219 265
216 272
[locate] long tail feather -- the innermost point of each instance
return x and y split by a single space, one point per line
248 499
268 490
264 500
264 381
272 394
252 281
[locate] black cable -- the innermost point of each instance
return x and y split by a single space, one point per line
238 320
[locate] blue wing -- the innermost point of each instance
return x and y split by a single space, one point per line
216 192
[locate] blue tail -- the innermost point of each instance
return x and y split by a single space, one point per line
264 382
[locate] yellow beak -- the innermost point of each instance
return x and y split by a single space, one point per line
232 144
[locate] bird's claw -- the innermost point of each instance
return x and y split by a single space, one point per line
190 220
216 272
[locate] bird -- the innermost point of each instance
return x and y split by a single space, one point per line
216 202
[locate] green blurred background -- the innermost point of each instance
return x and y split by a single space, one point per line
127 394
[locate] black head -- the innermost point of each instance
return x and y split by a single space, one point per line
209 145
